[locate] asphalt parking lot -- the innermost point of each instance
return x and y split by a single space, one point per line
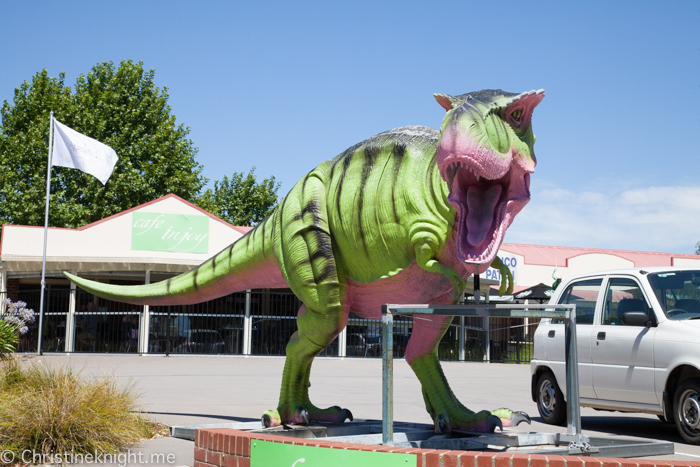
204 390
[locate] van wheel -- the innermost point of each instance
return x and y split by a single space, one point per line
686 410
550 400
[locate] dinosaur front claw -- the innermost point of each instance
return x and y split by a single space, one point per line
458 286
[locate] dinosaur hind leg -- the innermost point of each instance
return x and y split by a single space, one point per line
444 408
333 414
316 331
305 253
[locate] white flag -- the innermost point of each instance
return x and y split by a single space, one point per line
77 151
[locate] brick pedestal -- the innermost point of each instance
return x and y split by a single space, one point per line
224 447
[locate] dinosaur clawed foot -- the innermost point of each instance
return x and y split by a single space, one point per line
333 414
511 418
344 415
272 418
518 418
482 422
442 425
302 416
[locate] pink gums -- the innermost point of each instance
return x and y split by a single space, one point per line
487 189
458 146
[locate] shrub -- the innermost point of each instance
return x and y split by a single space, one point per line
54 410
9 337
18 315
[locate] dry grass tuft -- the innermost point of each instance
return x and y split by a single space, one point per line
54 410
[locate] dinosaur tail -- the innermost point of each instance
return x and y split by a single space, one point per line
247 263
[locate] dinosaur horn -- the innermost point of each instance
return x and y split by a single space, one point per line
446 101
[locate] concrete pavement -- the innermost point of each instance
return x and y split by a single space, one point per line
204 390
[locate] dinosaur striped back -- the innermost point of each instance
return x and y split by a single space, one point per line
379 194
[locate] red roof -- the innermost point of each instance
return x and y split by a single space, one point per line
545 255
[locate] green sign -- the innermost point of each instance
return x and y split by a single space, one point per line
266 454
151 231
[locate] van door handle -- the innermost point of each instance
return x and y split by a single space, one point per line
551 333
601 336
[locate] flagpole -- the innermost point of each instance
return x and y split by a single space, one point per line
46 230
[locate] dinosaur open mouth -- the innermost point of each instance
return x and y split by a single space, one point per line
485 208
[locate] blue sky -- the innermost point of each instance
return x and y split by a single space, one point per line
283 86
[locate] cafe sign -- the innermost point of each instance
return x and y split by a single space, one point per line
181 233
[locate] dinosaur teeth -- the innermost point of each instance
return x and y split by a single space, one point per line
465 166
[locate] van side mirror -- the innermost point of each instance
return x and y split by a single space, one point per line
635 318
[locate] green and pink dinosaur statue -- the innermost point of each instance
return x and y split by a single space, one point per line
402 217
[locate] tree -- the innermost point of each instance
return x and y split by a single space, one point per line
120 107
697 248
241 201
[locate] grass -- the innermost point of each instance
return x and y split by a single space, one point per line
53 410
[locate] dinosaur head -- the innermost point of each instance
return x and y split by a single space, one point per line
485 154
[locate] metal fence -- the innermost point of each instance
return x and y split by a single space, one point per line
56 311
246 323
104 326
492 339
213 327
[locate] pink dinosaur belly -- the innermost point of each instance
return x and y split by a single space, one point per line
410 286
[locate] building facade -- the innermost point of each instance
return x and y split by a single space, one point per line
168 236
534 264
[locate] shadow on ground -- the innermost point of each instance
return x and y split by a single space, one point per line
203 415
633 426
627 426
